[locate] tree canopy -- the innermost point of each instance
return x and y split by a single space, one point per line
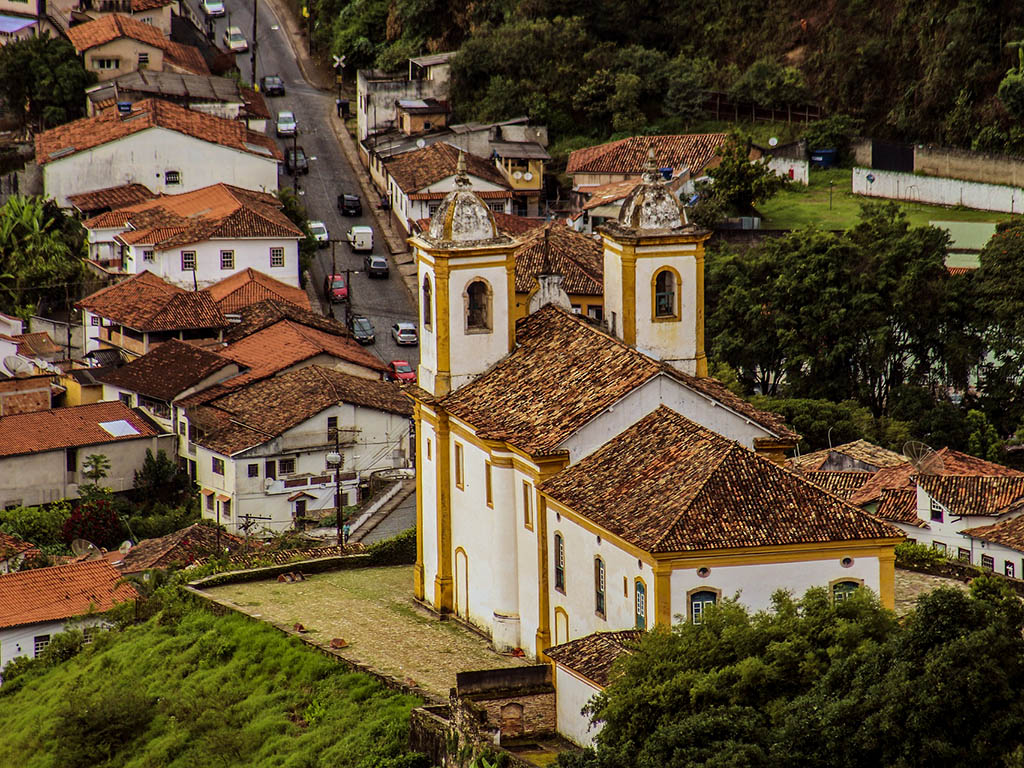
43 80
817 683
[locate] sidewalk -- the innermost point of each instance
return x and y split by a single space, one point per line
322 78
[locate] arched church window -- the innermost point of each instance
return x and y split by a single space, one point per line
666 294
428 308
478 306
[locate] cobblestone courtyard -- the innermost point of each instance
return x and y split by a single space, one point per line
372 609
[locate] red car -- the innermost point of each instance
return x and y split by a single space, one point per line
335 288
401 371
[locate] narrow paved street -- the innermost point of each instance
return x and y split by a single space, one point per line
383 301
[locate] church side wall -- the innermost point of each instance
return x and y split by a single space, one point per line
426 434
667 339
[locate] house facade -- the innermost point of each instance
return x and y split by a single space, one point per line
168 148
42 453
155 13
259 453
116 44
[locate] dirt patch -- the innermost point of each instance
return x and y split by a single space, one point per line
911 584
373 610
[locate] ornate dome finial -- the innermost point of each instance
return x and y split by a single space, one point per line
462 216
461 177
651 205
651 174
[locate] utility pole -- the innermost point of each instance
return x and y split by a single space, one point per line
252 47
295 161
336 459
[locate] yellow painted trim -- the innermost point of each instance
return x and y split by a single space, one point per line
443 375
488 485
427 318
460 465
787 553
443 579
418 588
843 580
543 639
647 601
560 611
702 360
510 292
628 261
455 604
489 295
663 596
677 316
691 592
887 579
529 507
592 527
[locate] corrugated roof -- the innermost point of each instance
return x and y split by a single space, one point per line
667 484
60 592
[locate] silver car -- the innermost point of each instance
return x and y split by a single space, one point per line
286 125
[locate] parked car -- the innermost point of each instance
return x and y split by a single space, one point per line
272 85
401 371
319 231
362 329
335 288
360 238
213 8
375 266
350 205
295 160
234 40
286 125
405 334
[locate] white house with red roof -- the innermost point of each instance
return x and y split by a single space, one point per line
167 147
42 452
37 604
198 238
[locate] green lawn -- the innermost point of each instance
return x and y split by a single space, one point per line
799 206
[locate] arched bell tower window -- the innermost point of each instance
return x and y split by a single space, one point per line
428 307
666 294
478 306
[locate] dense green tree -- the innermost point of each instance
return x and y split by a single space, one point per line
816 683
769 83
43 80
739 183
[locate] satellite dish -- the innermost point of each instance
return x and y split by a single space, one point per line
773 142
16 365
528 176
126 545
421 143
925 460
517 175
82 547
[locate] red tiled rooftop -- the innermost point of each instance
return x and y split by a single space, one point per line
60 592
114 26
98 200
629 156
420 168
250 286
578 258
147 303
72 427
109 125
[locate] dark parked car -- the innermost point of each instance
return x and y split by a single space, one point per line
375 266
350 205
272 85
362 329
295 160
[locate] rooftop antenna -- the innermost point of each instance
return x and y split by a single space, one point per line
85 548
925 460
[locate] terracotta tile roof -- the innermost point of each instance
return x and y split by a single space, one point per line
593 656
862 451
265 313
609 193
34 344
114 26
693 151
255 414
512 225
842 484
899 506
255 104
564 251
286 343
961 271
571 371
946 461
167 371
1008 533
184 547
148 5
667 484
250 286
483 194
420 168
971 495
147 302
109 125
100 200
72 427
219 211
12 546
60 592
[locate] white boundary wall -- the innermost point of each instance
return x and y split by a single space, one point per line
938 190
797 171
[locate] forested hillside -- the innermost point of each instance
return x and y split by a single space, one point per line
920 70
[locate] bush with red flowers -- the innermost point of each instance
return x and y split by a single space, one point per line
94 520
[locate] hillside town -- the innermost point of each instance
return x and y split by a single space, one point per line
344 383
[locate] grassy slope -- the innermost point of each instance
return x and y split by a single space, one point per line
799 206
223 691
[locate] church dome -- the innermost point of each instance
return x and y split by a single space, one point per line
462 217
651 204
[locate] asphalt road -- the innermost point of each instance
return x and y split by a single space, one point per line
383 301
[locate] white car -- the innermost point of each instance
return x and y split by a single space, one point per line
234 40
319 231
286 125
213 7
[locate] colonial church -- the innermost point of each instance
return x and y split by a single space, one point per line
575 478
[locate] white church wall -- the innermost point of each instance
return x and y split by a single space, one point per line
573 694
